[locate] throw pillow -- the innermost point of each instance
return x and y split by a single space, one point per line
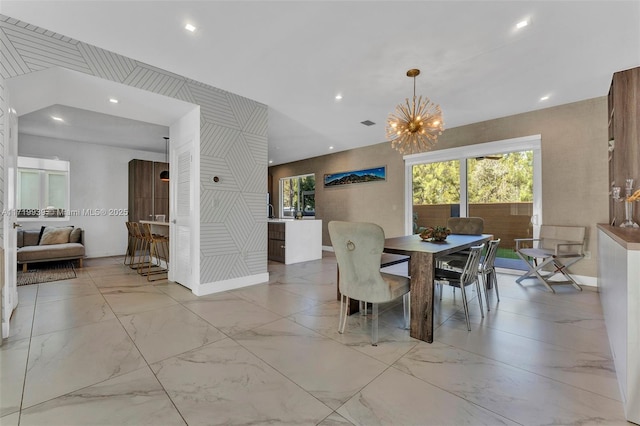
42 228
52 235
76 235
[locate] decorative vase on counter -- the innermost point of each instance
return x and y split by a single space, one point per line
629 199
628 216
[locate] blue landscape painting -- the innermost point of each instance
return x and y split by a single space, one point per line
357 176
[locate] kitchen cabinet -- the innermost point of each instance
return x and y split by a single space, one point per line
293 241
619 287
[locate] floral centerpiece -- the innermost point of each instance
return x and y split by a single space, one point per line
435 233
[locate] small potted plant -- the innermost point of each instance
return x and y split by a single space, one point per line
435 233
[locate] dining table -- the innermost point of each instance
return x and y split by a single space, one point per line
423 258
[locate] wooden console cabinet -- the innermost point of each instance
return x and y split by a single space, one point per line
148 195
624 137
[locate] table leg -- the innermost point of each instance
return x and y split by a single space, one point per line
422 292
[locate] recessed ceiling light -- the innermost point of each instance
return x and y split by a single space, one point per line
56 118
522 24
113 100
338 97
189 27
330 147
544 98
270 161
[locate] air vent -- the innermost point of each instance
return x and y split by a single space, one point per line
368 122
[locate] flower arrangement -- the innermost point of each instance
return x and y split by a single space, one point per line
435 233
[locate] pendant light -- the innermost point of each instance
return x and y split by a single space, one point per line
415 126
164 175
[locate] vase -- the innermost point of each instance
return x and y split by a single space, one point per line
628 216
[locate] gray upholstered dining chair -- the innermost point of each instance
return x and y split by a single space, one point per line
468 276
466 225
358 247
463 226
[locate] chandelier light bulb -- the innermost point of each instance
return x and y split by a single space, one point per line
416 125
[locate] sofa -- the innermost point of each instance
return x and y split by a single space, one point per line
50 244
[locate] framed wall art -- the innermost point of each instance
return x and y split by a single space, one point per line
375 174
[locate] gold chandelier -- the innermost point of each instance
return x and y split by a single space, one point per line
415 127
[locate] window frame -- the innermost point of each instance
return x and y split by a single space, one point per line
525 143
45 167
301 195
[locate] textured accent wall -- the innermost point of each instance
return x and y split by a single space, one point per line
233 141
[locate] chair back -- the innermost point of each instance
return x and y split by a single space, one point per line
490 256
358 247
130 229
552 235
470 271
466 225
135 229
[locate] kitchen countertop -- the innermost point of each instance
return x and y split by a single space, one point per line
629 238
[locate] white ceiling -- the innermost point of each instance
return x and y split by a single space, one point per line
295 56
140 120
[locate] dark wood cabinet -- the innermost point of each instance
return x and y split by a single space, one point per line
276 242
624 137
148 195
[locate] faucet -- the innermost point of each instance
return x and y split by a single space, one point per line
270 210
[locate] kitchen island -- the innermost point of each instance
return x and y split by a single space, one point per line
294 241
619 287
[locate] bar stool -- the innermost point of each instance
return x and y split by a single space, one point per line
132 246
140 244
157 247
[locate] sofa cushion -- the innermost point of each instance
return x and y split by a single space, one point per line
76 236
30 237
52 235
20 240
50 252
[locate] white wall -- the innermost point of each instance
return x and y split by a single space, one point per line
99 180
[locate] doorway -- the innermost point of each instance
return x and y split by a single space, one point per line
59 86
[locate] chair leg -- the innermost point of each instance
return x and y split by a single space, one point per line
374 324
495 284
406 305
344 315
466 308
341 313
479 290
562 269
486 291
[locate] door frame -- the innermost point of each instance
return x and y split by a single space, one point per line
9 280
525 143
183 138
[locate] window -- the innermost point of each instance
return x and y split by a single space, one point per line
42 189
498 181
297 194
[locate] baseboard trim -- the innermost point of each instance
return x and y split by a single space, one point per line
232 284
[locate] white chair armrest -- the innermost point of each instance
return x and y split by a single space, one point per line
579 245
522 240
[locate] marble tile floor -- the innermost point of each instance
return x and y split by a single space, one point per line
110 348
